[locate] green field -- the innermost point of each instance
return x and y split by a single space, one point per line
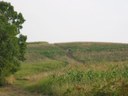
71 69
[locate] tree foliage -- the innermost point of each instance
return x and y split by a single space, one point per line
12 42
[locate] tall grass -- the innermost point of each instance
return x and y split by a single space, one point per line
91 69
35 68
80 82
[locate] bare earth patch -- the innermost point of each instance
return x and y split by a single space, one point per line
14 91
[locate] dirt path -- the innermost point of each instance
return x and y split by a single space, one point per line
14 90
11 90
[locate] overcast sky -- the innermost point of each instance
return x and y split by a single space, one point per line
74 20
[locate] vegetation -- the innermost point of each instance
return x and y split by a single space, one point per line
12 46
62 69
50 70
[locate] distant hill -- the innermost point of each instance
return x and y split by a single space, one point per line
82 52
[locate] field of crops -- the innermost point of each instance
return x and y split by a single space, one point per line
74 69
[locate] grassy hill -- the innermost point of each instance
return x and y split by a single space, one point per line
73 69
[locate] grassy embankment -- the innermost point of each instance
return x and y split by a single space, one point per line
75 69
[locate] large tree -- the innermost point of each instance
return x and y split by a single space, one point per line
12 42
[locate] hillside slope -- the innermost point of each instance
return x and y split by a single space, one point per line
82 52
73 69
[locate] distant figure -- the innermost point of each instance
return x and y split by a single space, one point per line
69 52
